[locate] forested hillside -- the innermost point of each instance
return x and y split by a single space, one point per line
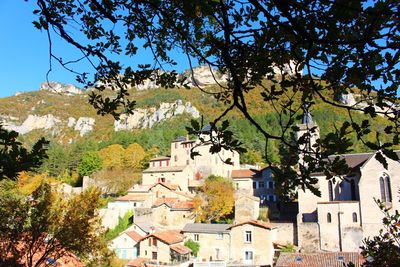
68 147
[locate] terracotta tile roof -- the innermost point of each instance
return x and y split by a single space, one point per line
131 197
255 223
173 203
168 236
247 173
134 235
138 262
172 187
181 249
167 200
325 259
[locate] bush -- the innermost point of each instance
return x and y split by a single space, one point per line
194 246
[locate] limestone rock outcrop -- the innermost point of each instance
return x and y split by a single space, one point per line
56 87
84 125
33 122
147 118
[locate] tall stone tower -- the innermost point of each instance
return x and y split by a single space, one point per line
308 130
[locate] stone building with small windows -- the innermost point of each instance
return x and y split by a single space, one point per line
346 212
245 243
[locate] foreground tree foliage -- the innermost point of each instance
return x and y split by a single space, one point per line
383 250
307 50
38 223
215 201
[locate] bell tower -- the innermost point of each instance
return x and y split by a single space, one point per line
309 133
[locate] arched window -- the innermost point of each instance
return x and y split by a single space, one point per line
330 190
353 189
386 191
354 217
329 218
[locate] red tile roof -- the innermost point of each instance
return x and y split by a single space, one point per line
131 197
325 259
173 203
181 249
138 262
169 236
134 235
255 223
243 173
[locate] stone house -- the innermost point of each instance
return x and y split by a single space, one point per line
179 175
165 248
247 207
214 240
258 183
346 211
126 245
172 213
252 243
246 243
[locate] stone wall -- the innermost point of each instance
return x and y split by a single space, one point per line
286 232
308 237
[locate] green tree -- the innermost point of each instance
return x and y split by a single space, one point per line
194 246
297 53
90 163
123 224
15 158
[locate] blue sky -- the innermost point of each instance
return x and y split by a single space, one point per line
24 51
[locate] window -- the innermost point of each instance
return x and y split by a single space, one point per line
386 193
154 164
248 255
155 242
163 180
187 162
329 218
353 189
254 185
271 198
160 163
167 162
330 190
217 253
237 186
261 184
149 241
354 217
154 255
271 185
220 236
247 237
196 237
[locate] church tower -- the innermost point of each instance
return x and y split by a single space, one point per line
308 130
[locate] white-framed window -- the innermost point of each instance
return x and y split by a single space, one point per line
196 237
247 237
220 236
248 255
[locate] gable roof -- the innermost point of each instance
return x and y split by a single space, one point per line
212 228
131 197
326 259
168 236
173 203
255 223
146 188
138 262
134 235
144 226
181 249
246 173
